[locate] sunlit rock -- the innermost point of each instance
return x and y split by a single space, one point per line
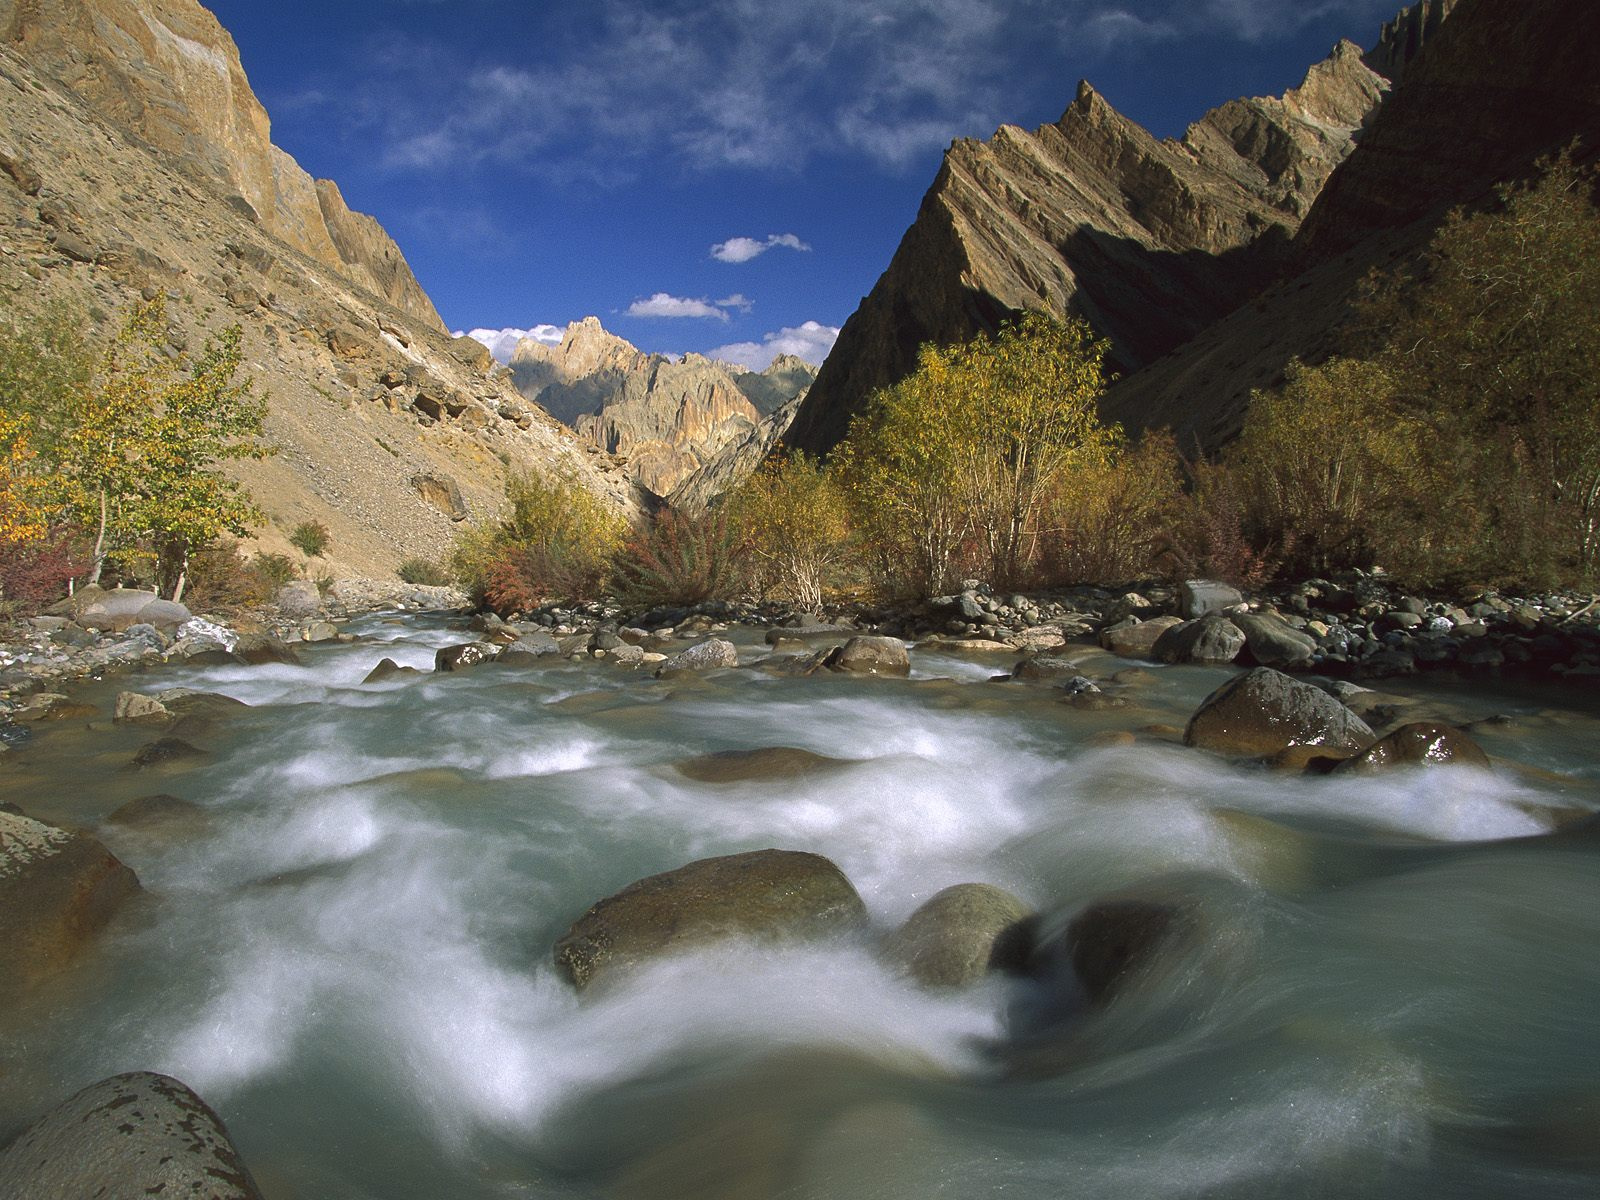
960 935
703 656
1264 712
871 656
1422 743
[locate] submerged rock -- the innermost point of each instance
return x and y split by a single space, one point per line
166 750
768 762
56 890
960 935
160 813
1264 712
1422 743
1114 939
259 648
781 895
132 1135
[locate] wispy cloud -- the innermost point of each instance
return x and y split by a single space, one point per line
664 305
743 249
503 342
810 341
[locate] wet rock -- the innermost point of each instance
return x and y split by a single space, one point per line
135 708
1272 642
465 655
1264 712
866 655
319 631
160 813
53 706
133 1135
769 895
703 656
1110 941
1420 743
1046 667
166 750
57 889
960 935
259 648
1136 639
1211 639
1198 597
768 762
625 655
387 668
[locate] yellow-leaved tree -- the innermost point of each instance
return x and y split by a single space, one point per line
22 519
791 516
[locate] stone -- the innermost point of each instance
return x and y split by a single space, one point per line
133 1135
766 895
441 491
135 708
1045 667
867 655
117 609
961 934
1136 639
1264 712
1420 743
57 889
1212 639
319 631
159 813
387 668
1270 641
166 750
257 649
52 706
299 598
464 655
708 655
1199 597
1113 940
765 763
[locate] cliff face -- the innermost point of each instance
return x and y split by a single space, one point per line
99 206
167 72
1488 92
666 418
1149 240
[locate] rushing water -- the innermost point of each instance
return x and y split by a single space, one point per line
350 955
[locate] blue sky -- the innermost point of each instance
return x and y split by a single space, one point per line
721 175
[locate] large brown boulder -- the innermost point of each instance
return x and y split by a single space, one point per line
1209 639
1136 639
1422 743
1265 712
771 895
56 891
960 935
866 655
133 1135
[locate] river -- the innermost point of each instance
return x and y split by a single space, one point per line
348 952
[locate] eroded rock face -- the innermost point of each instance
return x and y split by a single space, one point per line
138 1134
1264 712
57 889
769 895
1150 240
960 935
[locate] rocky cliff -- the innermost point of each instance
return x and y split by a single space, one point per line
134 160
1149 240
666 418
1495 87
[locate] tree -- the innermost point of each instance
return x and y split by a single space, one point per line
22 520
792 516
137 449
970 444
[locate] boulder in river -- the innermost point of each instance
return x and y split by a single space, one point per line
1136 639
1209 639
138 1134
259 648
771 895
1114 939
160 813
135 708
960 935
702 656
387 668
1265 712
767 762
1421 743
56 890
467 654
1273 642
866 655
1046 666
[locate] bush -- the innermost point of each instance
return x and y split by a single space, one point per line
1110 521
279 569
676 559
221 579
36 573
422 572
311 538
1208 539
792 516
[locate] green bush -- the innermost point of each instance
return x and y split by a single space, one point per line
422 572
311 538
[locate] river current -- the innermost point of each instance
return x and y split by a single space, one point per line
348 953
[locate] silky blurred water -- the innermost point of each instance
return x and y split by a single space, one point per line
1393 991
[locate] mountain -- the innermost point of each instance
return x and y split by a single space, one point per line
1149 240
135 160
666 418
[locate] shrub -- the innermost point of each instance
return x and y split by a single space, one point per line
279 569
422 572
677 559
222 579
36 573
1208 539
311 538
793 518
1111 520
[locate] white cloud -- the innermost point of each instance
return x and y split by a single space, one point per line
502 342
663 305
810 341
739 301
743 249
